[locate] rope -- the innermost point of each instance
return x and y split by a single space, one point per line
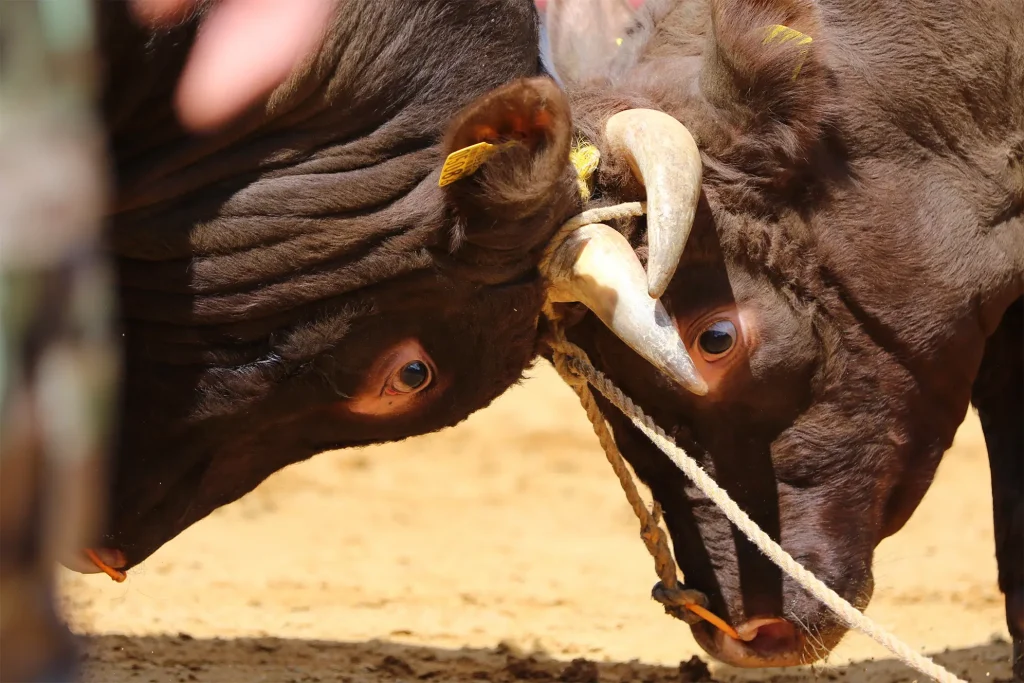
687 605
576 370
589 217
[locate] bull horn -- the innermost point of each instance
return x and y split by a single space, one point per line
596 266
663 156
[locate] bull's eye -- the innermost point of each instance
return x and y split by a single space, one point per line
409 379
396 382
717 339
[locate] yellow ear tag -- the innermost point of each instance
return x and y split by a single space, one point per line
784 34
465 162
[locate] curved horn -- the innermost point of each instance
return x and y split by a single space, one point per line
597 267
664 157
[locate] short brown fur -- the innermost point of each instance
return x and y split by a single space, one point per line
863 225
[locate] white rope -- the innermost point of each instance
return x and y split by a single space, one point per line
852 617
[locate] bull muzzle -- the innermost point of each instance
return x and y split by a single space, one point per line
595 265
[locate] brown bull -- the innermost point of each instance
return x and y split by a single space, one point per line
851 282
308 278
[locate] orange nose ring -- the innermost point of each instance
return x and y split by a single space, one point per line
115 574
712 619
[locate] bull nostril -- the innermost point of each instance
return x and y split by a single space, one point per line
770 636
763 642
748 630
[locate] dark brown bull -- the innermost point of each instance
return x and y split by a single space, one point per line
300 282
852 282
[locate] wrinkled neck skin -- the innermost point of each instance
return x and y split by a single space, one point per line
357 102
265 269
861 226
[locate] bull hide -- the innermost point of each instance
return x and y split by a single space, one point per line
299 281
853 280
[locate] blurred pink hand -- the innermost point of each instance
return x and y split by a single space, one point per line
542 5
583 35
245 48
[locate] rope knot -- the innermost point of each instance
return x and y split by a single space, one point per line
678 601
566 361
574 373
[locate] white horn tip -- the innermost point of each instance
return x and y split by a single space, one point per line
689 379
657 284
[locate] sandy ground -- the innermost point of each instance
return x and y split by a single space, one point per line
500 550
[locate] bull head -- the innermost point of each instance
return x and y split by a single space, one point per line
829 294
594 265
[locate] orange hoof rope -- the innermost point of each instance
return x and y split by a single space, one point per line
115 574
712 619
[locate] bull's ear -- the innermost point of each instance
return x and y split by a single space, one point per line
765 76
507 177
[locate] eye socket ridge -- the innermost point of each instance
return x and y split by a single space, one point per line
396 382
